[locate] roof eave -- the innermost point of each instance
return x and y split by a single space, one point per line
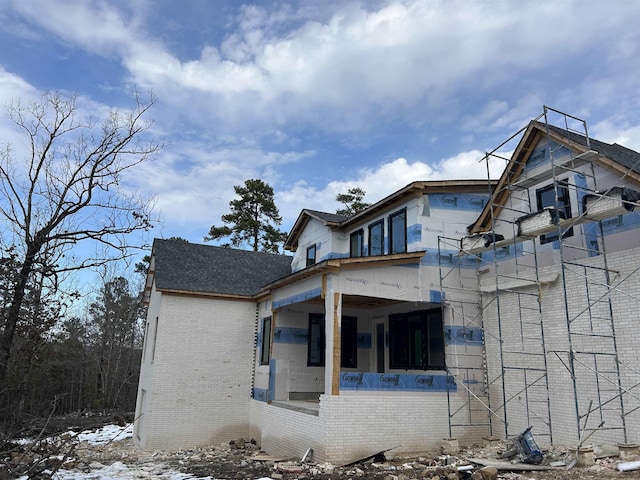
227 296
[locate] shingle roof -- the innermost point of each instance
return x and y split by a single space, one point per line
328 217
623 155
199 268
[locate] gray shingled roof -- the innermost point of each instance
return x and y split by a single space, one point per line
199 268
623 155
328 217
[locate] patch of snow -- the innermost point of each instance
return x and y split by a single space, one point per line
120 471
106 434
117 470
23 441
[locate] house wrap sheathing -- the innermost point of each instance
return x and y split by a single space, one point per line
449 309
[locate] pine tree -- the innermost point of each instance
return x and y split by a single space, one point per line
253 220
352 201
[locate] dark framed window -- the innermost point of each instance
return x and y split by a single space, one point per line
416 340
349 342
398 232
547 198
265 348
315 340
376 238
356 244
311 255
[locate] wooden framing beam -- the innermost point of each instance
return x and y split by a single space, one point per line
337 347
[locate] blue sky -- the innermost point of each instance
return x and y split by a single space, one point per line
317 97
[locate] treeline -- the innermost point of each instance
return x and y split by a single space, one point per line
64 363
63 211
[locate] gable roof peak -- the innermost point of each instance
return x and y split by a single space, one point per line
615 157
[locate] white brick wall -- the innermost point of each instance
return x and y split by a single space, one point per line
198 388
626 308
351 426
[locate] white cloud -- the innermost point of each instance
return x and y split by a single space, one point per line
610 132
14 87
94 26
351 67
386 179
196 187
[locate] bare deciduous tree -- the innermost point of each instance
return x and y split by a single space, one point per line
67 190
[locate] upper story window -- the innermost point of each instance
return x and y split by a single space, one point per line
376 238
398 232
547 198
356 244
311 255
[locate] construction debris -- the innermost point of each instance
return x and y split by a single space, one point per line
525 447
242 459
629 466
505 465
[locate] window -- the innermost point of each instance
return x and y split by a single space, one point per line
155 339
398 232
547 198
349 342
316 341
416 340
265 350
356 244
145 342
311 255
315 346
376 238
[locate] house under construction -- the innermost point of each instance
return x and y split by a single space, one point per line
459 309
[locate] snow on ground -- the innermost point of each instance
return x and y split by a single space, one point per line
120 471
106 434
117 470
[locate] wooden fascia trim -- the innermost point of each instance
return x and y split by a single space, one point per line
511 172
224 296
386 260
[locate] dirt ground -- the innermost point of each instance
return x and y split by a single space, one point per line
234 461
243 459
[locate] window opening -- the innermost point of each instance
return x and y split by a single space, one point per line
155 339
265 351
316 340
416 340
349 342
356 244
398 232
376 238
547 198
311 255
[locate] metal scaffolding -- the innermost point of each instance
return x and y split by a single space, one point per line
517 287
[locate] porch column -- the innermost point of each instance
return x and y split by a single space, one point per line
333 325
